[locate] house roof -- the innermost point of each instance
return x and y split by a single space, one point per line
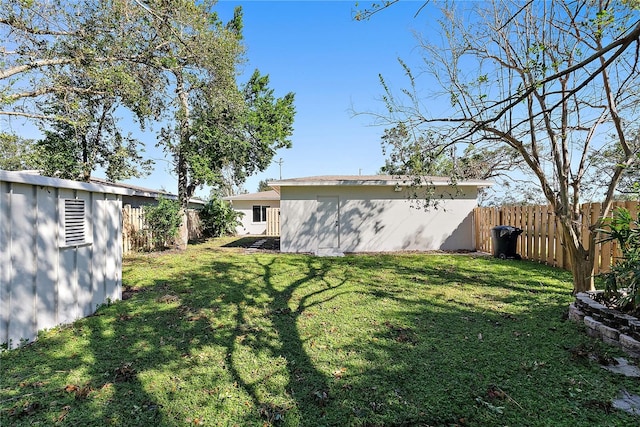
143 192
29 177
380 180
137 191
94 184
263 195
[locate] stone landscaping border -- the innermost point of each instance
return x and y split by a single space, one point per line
611 326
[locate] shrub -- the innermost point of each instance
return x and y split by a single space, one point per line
163 220
218 218
623 281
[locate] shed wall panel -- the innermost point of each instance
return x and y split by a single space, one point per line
113 249
5 261
47 272
84 298
67 285
22 278
99 259
43 281
378 219
84 284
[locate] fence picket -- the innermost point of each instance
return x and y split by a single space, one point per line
529 234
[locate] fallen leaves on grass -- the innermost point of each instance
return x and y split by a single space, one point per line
496 393
168 299
125 373
81 392
580 352
493 408
272 413
402 334
376 407
63 414
28 408
532 365
35 384
339 373
321 397
605 407
129 292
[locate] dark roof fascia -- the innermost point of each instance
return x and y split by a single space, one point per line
373 180
262 195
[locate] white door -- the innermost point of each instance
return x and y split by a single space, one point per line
328 222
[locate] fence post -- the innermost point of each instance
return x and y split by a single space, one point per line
594 213
126 229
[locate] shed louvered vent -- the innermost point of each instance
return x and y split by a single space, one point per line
74 230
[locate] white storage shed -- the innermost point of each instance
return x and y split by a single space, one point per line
60 252
332 215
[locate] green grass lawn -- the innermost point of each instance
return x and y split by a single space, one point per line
217 337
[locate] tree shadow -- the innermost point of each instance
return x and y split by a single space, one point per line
242 336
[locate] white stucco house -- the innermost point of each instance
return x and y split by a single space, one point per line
253 207
332 215
60 252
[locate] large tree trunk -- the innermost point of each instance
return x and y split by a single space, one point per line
183 196
581 259
183 232
582 269
184 189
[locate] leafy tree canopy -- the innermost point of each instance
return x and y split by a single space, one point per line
73 67
17 154
263 185
243 140
78 48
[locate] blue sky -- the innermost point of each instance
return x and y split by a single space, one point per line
331 62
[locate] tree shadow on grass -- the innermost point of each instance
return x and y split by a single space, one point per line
305 341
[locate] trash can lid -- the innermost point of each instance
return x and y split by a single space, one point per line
507 230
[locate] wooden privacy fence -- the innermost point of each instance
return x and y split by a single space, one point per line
541 239
273 221
137 237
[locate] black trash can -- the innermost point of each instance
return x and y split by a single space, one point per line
504 239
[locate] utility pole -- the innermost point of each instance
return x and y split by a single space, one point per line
280 162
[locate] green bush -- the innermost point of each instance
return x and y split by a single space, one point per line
219 219
623 281
163 221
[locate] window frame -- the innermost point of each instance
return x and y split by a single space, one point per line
261 212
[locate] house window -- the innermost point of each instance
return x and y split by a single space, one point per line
74 228
260 213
